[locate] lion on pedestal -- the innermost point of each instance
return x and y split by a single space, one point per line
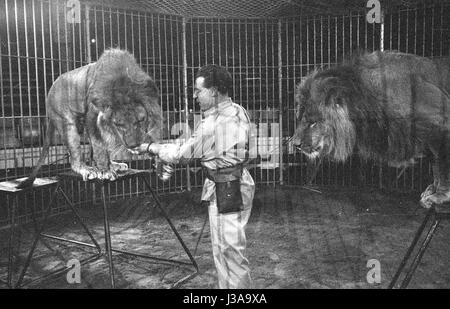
384 105
114 101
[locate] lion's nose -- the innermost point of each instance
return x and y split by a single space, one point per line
298 144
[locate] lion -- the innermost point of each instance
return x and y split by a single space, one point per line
114 101
384 105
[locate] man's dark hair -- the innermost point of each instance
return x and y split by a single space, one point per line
216 76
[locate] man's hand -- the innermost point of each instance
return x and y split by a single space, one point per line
166 152
152 148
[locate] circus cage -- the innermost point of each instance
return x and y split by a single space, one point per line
315 224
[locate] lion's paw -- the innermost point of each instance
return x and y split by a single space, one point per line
108 175
436 198
426 203
431 189
118 166
86 172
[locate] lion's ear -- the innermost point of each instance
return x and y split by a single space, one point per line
330 98
334 92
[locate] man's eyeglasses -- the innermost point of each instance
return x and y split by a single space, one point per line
198 91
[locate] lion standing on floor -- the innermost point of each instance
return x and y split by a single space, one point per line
386 105
114 101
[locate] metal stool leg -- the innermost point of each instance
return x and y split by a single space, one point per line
186 249
36 238
411 248
419 254
13 208
201 232
166 216
80 221
107 236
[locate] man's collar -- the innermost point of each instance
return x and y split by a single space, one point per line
220 105
225 103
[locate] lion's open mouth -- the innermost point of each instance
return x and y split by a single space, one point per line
312 153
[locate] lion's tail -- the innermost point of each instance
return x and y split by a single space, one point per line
45 149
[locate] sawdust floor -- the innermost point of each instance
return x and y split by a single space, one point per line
297 238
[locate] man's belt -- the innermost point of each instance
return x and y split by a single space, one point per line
224 174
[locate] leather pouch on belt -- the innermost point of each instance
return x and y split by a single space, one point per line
229 198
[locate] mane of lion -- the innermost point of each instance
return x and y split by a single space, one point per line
114 101
386 105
